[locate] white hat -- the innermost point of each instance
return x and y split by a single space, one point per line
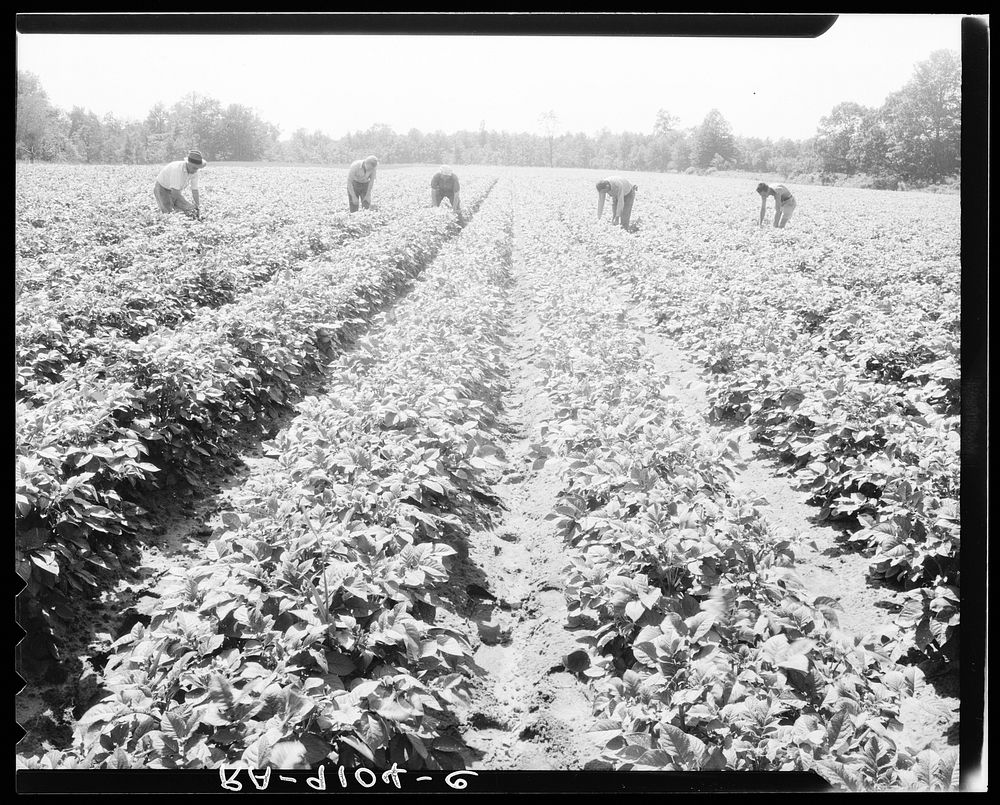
446 170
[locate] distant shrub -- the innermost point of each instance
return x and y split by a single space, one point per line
868 182
886 182
950 187
806 178
951 184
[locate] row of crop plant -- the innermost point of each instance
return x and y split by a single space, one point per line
704 652
167 414
79 306
307 633
854 387
72 222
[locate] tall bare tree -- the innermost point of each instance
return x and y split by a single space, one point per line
549 123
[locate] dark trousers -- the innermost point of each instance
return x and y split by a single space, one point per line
441 195
361 189
627 202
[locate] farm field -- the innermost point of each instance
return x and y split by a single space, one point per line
508 490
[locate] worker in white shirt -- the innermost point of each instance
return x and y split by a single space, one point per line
173 178
360 180
622 193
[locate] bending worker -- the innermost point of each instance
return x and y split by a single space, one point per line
360 180
622 193
173 178
444 184
784 203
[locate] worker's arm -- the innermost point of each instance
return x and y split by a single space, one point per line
371 184
600 202
194 195
763 208
458 201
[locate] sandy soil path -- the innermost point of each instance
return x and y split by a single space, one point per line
527 711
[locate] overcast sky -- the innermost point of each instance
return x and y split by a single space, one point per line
335 84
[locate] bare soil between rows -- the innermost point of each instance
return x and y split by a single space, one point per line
526 711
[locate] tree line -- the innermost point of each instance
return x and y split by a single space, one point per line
914 136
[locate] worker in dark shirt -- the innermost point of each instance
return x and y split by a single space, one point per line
784 203
444 185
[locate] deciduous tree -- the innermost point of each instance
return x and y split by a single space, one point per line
924 120
836 135
713 136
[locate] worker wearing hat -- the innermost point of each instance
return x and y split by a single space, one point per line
444 185
173 178
784 203
360 180
622 193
